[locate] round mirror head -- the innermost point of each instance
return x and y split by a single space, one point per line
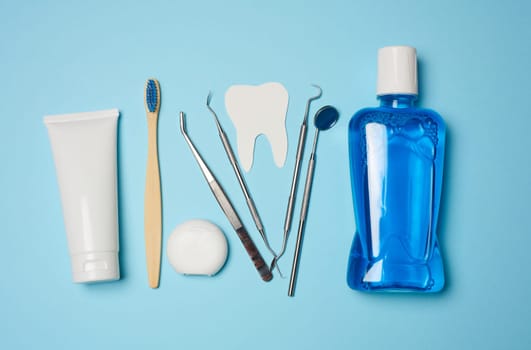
326 117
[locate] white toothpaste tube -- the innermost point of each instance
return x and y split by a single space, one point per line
84 148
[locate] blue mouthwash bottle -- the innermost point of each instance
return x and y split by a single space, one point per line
396 166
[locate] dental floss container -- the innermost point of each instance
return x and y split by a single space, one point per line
197 247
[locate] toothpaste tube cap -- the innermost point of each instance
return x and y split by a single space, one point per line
95 267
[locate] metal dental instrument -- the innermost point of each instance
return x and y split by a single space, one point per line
228 209
294 181
325 118
243 185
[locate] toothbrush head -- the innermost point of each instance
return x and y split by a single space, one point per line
152 97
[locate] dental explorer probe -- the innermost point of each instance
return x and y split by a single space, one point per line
294 181
243 185
228 209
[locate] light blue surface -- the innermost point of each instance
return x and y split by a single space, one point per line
59 57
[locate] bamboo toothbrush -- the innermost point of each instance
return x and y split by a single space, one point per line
152 198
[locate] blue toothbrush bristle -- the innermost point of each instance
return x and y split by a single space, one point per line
151 95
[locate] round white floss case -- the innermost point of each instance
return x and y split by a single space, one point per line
197 247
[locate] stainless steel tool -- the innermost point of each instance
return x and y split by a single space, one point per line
241 181
325 118
228 209
295 180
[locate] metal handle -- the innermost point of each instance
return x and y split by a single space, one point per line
248 199
225 204
302 223
294 182
250 247
254 254
308 188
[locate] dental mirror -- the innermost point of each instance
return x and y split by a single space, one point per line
325 118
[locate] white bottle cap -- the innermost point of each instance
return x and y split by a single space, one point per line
94 267
397 71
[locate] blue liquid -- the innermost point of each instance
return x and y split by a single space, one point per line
396 165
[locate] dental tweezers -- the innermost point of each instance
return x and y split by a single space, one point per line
228 209
241 181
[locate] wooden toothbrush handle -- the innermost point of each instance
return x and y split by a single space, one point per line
153 208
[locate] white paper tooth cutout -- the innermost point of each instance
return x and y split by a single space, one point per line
256 110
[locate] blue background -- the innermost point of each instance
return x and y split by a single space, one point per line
61 57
